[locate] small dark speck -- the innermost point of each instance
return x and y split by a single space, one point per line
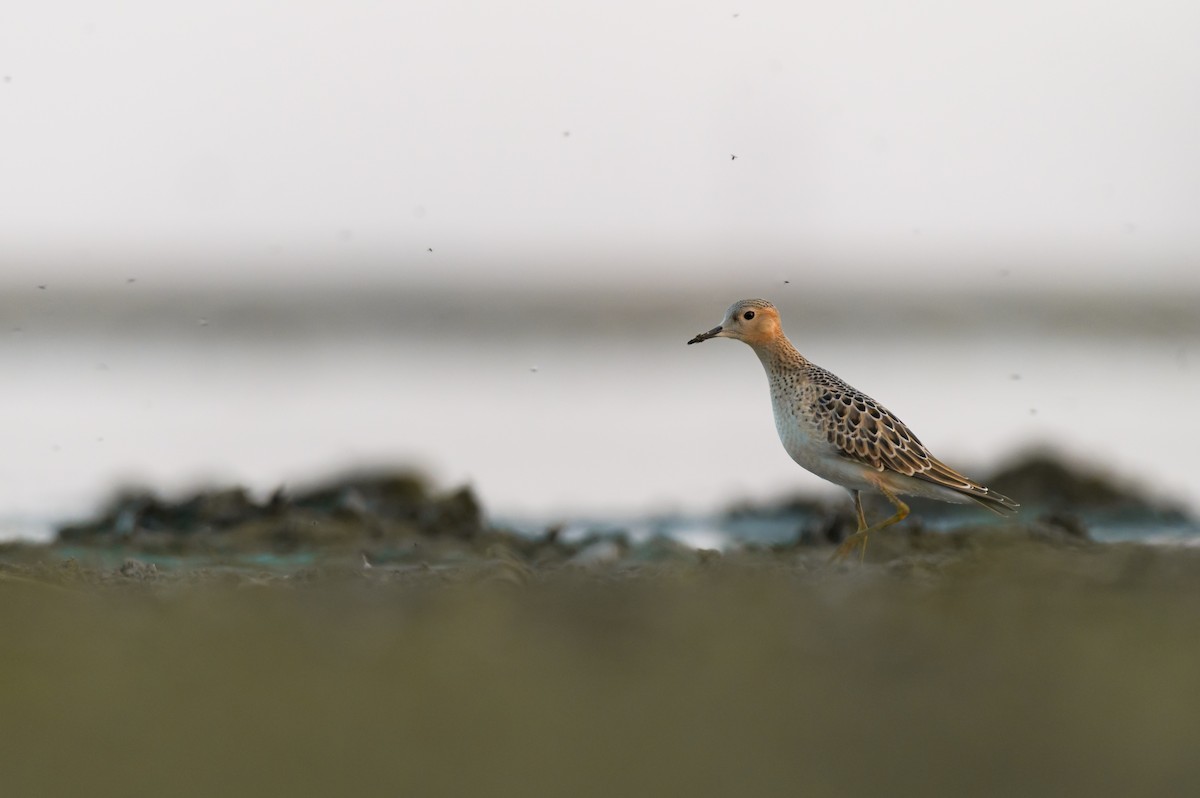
431 249
733 157
566 134
41 288
1033 411
533 369
787 282
131 281
735 16
1014 376
8 78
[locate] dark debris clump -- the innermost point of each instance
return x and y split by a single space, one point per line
352 511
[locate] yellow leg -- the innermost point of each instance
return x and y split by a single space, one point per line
862 525
860 537
862 517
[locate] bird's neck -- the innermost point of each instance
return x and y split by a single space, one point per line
778 354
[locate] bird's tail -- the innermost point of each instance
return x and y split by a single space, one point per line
998 503
942 474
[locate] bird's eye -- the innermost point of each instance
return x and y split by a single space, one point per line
749 314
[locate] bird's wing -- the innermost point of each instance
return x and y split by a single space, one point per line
866 432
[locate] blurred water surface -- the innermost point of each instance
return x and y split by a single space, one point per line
563 403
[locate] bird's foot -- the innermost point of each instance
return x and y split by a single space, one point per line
849 545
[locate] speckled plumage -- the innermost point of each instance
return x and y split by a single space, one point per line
838 432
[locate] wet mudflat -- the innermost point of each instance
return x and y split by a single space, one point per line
380 637
1003 663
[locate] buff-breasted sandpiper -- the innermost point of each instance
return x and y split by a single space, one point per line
841 434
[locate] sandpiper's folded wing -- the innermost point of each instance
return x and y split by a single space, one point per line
867 432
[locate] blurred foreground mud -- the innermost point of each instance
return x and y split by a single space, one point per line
1009 666
376 637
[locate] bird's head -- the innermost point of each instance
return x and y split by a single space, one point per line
755 321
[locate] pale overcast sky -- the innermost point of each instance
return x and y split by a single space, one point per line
914 132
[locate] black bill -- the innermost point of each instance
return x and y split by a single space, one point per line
705 336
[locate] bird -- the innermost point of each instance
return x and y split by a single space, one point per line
842 435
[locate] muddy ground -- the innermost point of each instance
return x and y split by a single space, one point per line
1014 659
